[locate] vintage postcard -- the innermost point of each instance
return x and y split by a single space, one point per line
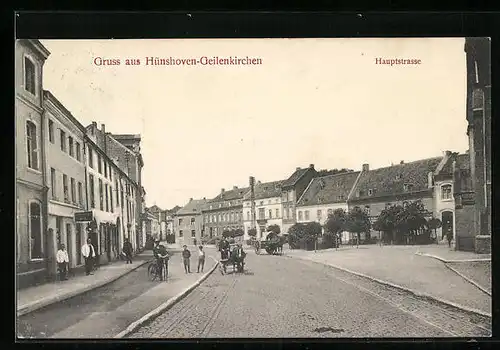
243 188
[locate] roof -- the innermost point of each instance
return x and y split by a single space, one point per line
462 162
266 190
194 206
390 181
329 189
154 208
229 195
296 176
127 136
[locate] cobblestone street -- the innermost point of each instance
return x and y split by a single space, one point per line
268 301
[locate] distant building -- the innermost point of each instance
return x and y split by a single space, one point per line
152 218
188 222
224 212
478 60
268 208
324 195
291 190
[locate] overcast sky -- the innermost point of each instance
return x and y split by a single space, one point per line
320 101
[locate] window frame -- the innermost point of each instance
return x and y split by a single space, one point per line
35 74
446 185
62 139
29 144
39 203
51 131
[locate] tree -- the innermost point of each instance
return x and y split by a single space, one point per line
335 225
358 222
434 224
252 232
274 228
387 221
313 231
226 233
237 233
411 219
296 235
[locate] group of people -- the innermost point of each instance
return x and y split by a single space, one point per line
186 258
89 255
225 250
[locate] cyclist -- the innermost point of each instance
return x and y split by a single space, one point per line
161 255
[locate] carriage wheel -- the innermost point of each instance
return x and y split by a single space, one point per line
152 273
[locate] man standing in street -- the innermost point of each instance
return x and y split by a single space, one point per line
127 249
88 253
62 262
201 258
186 254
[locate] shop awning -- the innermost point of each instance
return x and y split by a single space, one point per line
102 217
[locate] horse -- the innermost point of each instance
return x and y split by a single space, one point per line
237 262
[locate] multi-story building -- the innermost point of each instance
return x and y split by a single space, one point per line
268 208
188 222
478 60
31 187
291 190
153 217
167 222
397 184
324 195
65 176
224 212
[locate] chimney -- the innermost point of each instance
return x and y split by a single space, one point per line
94 124
311 166
235 187
204 198
103 128
429 179
221 190
402 162
297 168
190 199
366 167
258 182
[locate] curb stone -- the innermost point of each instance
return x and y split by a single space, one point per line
165 306
469 280
38 304
416 293
451 261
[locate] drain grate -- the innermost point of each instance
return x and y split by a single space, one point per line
328 329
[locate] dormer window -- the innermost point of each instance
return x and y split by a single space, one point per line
399 176
446 192
370 192
341 197
407 187
29 76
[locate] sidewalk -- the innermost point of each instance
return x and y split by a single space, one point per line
37 297
399 265
109 324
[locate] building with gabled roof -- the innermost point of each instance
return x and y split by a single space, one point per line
188 222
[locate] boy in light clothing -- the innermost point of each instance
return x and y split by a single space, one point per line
201 258
62 262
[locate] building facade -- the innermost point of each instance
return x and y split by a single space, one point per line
153 217
65 176
188 222
291 190
31 188
478 61
324 195
224 212
395 185
268 208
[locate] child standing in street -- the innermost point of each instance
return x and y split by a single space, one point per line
186 254
62 262
201 258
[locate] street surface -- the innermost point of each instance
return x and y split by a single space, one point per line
283 297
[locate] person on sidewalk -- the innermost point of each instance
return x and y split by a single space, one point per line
127 249
62 262
186 255
201 258
449 237
88 253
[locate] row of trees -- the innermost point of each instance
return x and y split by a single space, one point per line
398 224
233 233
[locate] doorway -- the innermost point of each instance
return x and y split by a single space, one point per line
78 243
447 224
69 246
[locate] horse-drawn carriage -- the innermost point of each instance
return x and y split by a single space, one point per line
233 256
273 244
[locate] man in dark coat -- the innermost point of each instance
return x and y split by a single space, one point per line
127 249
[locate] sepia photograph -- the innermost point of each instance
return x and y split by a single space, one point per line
253 188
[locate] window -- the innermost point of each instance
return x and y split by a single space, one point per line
192 221
92 191
105 170
70 145
117 196
405 204
446 192
32 144
367 210
318 214
51 131
101 195
35 230
180 233
91 158
193 233
73 190
341 197
110 173
306 215
270 214
300 215
121 199
80 194
63 140
277 213
99 164
180 221
77 151
262 214
330 211
370 192
65 188
29 76
53 183
407 187
399 176
107 198
248 216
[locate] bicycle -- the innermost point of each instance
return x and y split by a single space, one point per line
154 273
